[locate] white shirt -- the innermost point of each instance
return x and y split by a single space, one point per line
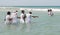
14 16
21 16
28 18
7 19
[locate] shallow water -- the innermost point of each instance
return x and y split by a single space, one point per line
44 25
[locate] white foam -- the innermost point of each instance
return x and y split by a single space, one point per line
28 9
35 9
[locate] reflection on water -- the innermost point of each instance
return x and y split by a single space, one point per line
21 27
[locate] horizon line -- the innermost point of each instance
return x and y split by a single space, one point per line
13 6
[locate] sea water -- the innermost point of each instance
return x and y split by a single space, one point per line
44 25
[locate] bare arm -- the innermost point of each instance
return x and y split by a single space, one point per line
18 17
35 16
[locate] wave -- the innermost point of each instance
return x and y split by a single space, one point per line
35 9
29 9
